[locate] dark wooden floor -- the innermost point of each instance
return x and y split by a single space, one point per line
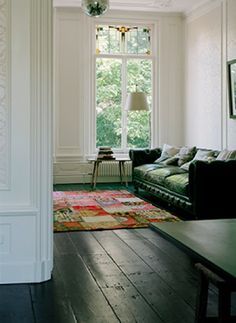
109 276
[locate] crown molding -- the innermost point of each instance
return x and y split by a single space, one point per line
157 6
202 9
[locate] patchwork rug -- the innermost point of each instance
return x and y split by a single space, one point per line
104 209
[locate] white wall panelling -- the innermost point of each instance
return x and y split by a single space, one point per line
74 112
170 82
5 18
203 80
210 43
25 212
69 83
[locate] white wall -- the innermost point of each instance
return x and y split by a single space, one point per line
74 110
231 54
25 144
210 42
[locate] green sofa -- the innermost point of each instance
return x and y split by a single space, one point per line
205 190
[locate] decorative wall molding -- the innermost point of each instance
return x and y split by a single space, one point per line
68 123
26 212
41 131
18 210
4 94
158 6
5 238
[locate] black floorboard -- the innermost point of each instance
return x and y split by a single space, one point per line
110 276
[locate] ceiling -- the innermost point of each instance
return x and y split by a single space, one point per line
181 6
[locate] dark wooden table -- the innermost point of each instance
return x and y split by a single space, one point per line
213 244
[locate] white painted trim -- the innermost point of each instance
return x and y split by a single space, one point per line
155 137
18 210
41 145
25 272
142 6
86 179
62 158
120 6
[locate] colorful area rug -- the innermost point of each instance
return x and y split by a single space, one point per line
104 209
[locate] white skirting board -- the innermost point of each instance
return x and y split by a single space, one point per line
25 272
68 173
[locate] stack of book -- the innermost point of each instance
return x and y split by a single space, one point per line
105 153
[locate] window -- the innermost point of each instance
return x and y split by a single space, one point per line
123 64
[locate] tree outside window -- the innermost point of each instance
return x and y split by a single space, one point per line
123 63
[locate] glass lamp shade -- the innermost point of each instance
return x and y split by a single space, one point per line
136 101
94 8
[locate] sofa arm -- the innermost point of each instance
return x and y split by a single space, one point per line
144 156
210 187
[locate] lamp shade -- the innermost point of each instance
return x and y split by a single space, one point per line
94 8
136 101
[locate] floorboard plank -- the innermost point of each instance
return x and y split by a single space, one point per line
15 304
85 243
166 246
167 261
63 244
168 267
87 300
127 302
160 296
51 302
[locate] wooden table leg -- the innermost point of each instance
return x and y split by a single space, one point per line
121 179
224 304
225 289
202 298
97 162
95 173
124 173
94 170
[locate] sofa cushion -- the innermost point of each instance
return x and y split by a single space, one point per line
158 175
170 161
142 171
185 154
167 152
178 183
226 155
202 154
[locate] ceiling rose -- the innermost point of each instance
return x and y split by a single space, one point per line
162 3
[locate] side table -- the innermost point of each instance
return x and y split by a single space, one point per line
96 162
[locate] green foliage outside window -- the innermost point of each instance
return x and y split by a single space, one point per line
116 127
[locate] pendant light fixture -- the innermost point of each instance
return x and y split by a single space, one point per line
136 101
94 8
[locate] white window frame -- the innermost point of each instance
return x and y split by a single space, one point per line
123 151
